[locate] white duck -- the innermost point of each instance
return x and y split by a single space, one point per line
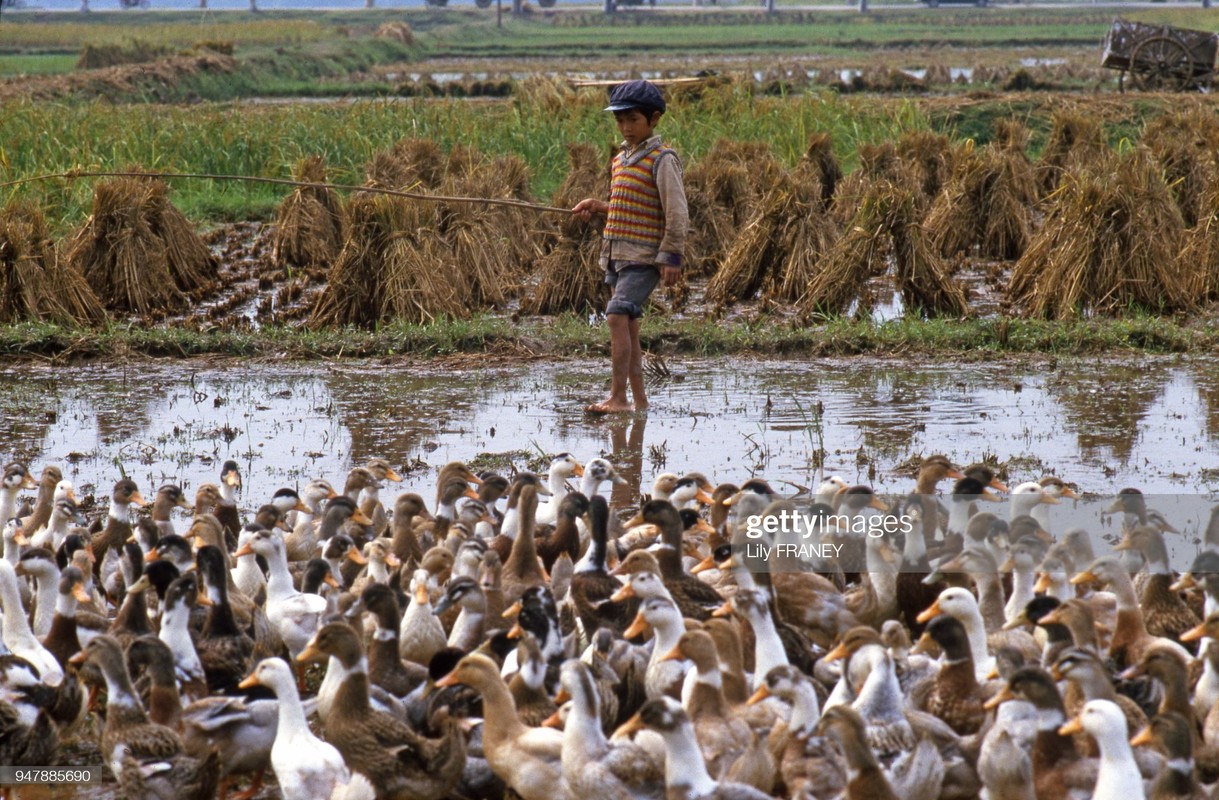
296 615
1119 777
592 765
247 575
963 606
563 467
306 768
18 637
16 477
63 511
1028 496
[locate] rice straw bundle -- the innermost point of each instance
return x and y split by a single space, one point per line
1011 135
929 154
1186 143
570 275
138 251
809 234
411 164
35 283
309 223
878 164
988 203
1110 241
777 251
855 258
388 268
1076 139
757 250
723 190
1200 253
922 277
818 163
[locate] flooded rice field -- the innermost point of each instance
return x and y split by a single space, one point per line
1100 424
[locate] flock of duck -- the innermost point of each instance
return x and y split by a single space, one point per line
514 636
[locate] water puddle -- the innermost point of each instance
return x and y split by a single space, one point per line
1153 424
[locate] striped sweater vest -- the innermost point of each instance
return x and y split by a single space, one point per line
635 214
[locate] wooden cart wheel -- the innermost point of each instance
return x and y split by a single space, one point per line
1161 63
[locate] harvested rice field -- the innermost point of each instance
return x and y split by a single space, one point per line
298 338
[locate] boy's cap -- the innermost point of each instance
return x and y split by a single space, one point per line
635 94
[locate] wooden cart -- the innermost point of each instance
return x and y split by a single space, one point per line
1160 57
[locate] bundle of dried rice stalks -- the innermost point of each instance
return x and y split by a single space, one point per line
411 164
309 223
491 246
988 203
1199 256
818 163
1011 135
1076 140
138 251
929 154
878 164
777 251
855 258
388 268
1186 143
723 191
1110 242
887 223
924 280
570 277
35 283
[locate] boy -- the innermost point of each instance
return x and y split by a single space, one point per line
645 232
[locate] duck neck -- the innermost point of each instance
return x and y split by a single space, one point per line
1060 586
708 694
120 512
991 608
48 599
1117 767
881 694
8 504
590 484
377 571
583 729
1023 581
501 724
806 709
557 481
228 494
175 632
292 722
352 695
16 628
65 605
119 692
768 647
279 583
958 516
685 770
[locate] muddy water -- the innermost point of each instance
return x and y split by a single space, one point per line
1150 423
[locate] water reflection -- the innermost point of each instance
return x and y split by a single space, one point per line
1102 425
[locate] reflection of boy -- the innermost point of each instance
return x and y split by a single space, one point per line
645 232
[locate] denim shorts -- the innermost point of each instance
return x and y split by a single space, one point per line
632 283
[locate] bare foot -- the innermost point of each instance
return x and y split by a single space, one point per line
641 405
610 406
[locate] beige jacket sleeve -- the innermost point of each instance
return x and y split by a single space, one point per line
677 216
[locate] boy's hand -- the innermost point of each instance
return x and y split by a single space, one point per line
670 276
586 208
